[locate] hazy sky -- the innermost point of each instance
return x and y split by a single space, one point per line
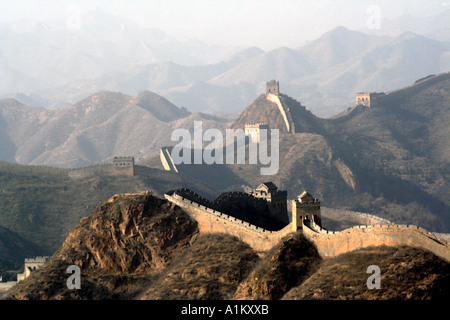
264 23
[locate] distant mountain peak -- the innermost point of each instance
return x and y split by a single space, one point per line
159 106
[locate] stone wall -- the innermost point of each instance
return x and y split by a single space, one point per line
212 221
123 166
330 243
284 112
166 159
91 170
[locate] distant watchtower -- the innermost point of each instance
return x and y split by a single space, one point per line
32 264
368 99
305 208
273 87
123 166
253 130
276 199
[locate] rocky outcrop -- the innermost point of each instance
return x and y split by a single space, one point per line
129 233
405 273
125 237
285 266
212 268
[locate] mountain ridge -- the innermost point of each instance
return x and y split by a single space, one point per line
324 73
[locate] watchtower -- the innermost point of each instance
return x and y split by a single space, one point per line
305 208
276 199
273 87
32 264
254 131
368 99
123 166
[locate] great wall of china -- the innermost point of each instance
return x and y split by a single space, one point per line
328 243
212 221
284 110
166 159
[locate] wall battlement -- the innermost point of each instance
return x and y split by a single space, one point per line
254 131
31 265
212 221
333 243
328 243
187 203
123 166
273 87
38 259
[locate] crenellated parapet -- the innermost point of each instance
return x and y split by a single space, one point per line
212 221
328 243
333 243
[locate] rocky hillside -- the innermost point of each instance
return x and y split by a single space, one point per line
406 273
264 111
138 246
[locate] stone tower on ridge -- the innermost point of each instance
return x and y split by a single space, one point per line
253 130
276 199
368 99
273 87
123 166
305 208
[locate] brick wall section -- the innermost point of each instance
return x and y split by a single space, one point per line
284 112
212 221
166 159
330 244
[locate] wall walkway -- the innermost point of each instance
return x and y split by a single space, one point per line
284 112
166 159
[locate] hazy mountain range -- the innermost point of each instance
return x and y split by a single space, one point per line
45 64
95 129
